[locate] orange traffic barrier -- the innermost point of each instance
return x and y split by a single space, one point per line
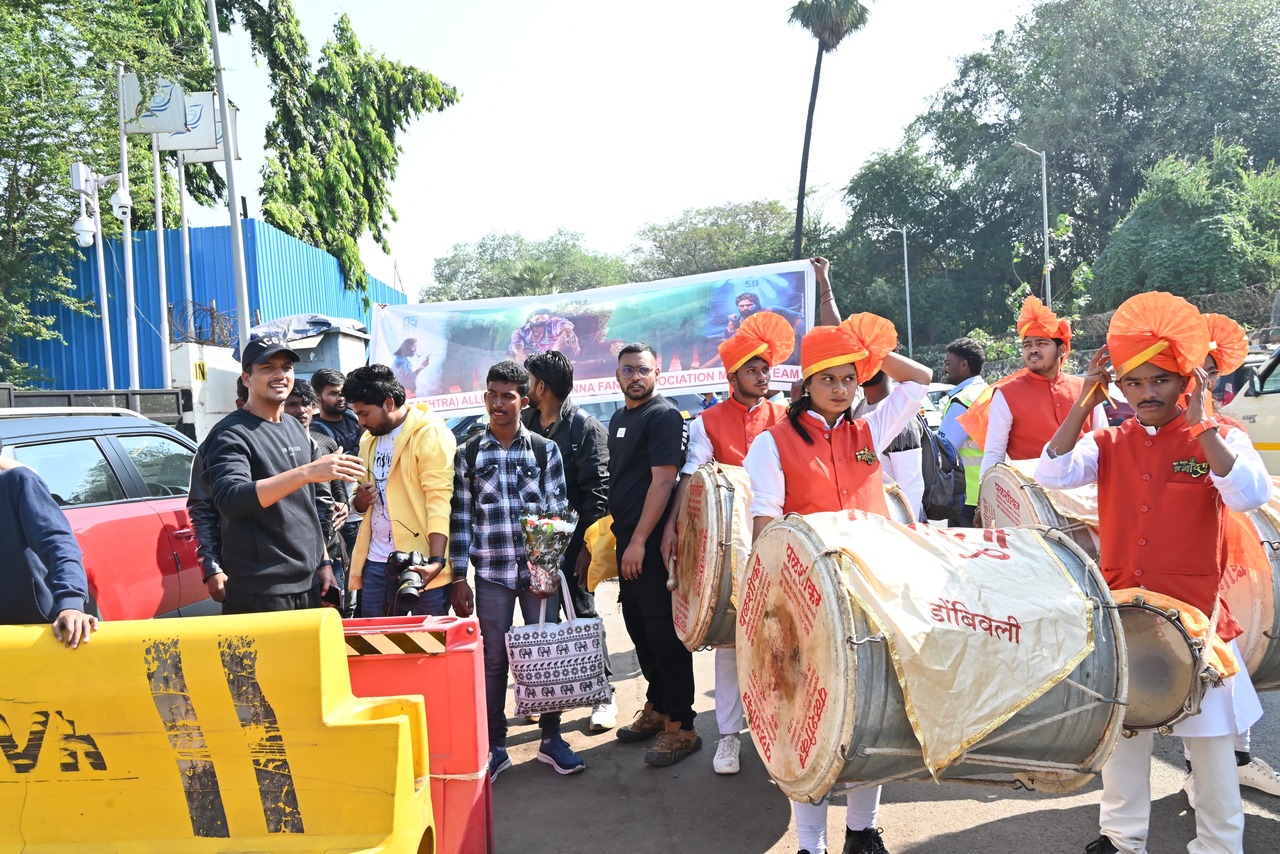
442 659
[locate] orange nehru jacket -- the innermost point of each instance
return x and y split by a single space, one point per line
732 427
839 471
1162 522
1038 407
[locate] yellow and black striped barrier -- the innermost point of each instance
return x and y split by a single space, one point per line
226 734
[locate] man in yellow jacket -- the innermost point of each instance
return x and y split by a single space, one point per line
408 452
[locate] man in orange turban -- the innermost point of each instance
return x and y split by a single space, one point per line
822 459
1164 478
1014 417
723 434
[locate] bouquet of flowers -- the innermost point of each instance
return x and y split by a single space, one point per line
546 538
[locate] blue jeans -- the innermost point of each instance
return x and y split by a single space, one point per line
495 609
378 593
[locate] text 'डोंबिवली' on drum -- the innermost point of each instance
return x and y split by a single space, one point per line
714 539
1009 498
822 695
1251 588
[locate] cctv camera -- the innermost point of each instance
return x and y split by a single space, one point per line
121 204
83 231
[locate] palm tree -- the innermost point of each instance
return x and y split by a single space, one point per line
536 276
828 21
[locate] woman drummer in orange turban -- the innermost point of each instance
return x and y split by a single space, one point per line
818 460
1163 479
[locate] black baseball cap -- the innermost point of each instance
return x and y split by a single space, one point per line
264 347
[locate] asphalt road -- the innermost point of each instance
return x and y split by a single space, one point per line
621 805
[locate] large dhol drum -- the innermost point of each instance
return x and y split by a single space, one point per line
1165 684
1253 593
715 539
824 702
1009 498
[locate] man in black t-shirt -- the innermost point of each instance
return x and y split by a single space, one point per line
336 420
647 443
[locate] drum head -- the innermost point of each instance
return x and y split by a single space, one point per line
1162 667
1008 500
899 506
796 669
714 524
1251 589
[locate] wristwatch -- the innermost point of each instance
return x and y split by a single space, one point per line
1203 427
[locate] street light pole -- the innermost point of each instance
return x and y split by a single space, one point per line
1044 196
126 244
906 276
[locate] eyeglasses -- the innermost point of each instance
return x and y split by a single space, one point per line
643 371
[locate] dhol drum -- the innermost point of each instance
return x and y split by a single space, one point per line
1252 592
1009 498
715 539
1165 683
826 708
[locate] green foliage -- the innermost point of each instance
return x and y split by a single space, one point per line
705 240
501 265
1199 227
829 21
57 105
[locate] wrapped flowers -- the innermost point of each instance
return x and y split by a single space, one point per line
546 538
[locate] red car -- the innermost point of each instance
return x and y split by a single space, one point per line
122 480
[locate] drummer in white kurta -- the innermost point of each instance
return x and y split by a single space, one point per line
724 433
1163 478
819 460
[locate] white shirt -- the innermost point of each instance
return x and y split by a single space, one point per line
905 468
764 465
700 450
1000 422
1246 487
381 540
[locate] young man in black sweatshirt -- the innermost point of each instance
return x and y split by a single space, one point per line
261 471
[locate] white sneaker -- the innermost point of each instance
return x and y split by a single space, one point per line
1189 786
603 717
726 761
1257 774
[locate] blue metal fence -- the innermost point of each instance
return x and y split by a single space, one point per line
285 276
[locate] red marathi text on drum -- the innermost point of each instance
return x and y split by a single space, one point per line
801 591
751 610
1008 502
804 731
996 537
954 612
764 723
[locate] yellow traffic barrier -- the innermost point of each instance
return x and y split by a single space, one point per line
226 734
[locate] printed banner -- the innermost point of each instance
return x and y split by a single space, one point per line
166 112
199 131
442 351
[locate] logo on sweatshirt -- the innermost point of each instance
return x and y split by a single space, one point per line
1191 467
866 455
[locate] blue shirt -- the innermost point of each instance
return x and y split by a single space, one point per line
950 426
43 573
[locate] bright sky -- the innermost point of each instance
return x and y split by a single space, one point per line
601 117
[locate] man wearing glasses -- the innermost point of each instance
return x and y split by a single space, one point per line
647 441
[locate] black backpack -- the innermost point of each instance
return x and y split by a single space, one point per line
944 484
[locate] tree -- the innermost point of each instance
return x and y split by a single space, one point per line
57 105
501 265
1201 227
828 21
704 240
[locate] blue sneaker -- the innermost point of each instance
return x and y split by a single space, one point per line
499 761
556 753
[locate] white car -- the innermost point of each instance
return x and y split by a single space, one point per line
935 403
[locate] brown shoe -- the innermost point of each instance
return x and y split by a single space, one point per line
647 724
673 745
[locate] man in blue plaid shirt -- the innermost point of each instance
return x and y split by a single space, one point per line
494 482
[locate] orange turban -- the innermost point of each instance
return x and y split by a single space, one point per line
1037 321
1159 328
765 334
862 340
1228 342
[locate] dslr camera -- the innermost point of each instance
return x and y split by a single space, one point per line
409 584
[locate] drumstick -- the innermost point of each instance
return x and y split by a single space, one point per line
671 573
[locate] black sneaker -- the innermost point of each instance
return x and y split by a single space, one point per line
1103 845
866 841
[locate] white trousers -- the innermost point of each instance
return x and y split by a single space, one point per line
729 715
1126 795
811 819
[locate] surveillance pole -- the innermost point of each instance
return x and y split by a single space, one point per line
228 160
130 306
108 361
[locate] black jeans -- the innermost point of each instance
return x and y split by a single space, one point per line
261 603
584 602
646 610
